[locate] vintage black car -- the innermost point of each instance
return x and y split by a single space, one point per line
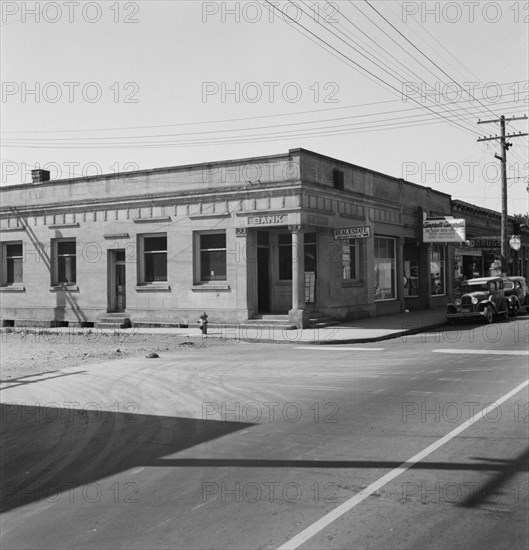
516 292
481 298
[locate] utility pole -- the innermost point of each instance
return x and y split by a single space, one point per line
503 158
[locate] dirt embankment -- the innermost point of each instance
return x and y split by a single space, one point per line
24 352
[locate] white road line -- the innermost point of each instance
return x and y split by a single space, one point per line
348 505
483 351
334 348
330 388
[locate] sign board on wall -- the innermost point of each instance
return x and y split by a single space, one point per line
443 230
489 241
352 232
268 220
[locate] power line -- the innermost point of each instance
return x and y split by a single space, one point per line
423 54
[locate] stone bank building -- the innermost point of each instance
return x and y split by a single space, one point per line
293 235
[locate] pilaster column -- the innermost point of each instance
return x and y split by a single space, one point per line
297 314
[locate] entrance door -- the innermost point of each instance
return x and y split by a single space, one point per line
117 281
263 272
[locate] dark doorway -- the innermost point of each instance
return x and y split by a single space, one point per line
117 282
263 272
471 267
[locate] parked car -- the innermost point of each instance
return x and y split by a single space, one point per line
516 292
481 298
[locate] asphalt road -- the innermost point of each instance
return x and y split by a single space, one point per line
417 442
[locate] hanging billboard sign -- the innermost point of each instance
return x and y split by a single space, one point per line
443 230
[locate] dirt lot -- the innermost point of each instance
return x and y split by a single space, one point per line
24 352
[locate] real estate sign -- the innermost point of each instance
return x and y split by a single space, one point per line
443 230
352 232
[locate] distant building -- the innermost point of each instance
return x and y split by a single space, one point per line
480 255
293 234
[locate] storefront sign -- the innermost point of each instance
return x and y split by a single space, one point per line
485 242
443 230
352 232
267 220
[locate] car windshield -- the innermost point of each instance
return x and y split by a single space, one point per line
508 285
483 287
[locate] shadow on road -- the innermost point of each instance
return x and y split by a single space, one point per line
48 450
507 470
39 377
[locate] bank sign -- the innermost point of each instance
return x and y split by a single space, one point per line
443 230
352 232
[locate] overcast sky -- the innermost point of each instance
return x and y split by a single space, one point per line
92 87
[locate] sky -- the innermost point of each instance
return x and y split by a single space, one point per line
397 87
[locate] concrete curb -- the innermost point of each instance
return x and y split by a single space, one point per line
379 338
254 340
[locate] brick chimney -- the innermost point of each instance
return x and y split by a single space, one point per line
40 176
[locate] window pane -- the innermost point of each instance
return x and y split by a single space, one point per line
437 270
385 269
155 244
66 247
14 270
285 238
13 250
155 266
213 265
411 269
66 269
349 267
311 260
215 240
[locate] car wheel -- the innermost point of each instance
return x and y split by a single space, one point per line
515 309
488 315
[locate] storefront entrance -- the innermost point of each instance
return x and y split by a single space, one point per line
263 272
116 281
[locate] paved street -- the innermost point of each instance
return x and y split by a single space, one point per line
415 442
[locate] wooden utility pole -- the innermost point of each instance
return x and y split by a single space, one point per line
503 158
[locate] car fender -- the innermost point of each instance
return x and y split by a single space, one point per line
487 303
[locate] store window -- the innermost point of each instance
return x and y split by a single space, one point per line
351 259
153 258
385 269
411 270
437 270
12 269
64 258
212 256
285 255
311 253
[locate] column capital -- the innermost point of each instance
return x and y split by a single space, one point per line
241 231
298 228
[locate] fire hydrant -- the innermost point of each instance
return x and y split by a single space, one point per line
203 323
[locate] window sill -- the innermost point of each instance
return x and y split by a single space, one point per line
13 288
154 287
64 287
207 287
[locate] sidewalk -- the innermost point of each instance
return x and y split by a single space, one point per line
372 329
